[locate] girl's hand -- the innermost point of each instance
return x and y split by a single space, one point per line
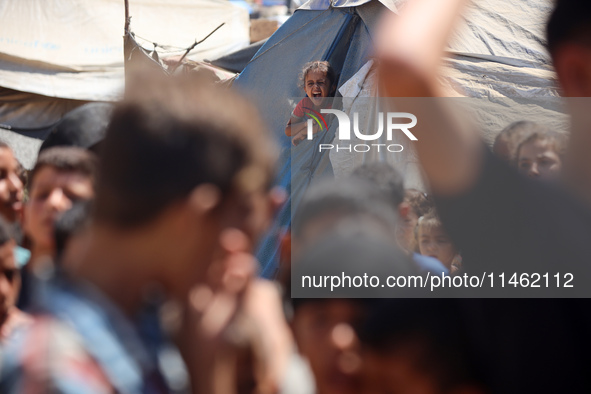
299 137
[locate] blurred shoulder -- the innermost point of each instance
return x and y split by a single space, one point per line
49 356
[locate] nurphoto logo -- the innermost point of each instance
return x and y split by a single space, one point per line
393 123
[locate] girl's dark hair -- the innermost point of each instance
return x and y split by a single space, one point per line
322 66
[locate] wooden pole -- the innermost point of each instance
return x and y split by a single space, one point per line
127 19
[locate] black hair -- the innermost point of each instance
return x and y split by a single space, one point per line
67 159
385 177
356 249
569 22
83 127
346 197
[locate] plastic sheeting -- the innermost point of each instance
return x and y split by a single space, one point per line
498 52
319 5
236 61
25 120
56 55
74 49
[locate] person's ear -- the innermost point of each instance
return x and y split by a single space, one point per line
205 198
572 63
403 210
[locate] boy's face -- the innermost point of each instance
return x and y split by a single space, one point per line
52 192
203 255
538 160
9 280
11 186
324 333
434 242
317 87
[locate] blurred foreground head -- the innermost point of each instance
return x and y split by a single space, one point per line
330 205
420 346
351 259
183 161
171 135
568 35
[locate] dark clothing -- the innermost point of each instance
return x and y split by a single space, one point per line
509 223
512 224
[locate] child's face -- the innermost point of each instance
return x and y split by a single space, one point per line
9 280
52 192
538 160
434 242
317 86
11 187
324 334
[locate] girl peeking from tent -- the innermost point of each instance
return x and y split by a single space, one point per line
319 82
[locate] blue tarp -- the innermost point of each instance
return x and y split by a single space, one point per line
340 35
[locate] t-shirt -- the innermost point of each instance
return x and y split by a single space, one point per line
306 106
511 223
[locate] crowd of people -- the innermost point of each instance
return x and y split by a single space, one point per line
126 253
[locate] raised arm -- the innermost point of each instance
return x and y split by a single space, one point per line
297 128
410 48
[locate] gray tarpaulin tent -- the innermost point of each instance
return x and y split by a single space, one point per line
56 55
497 53
236 61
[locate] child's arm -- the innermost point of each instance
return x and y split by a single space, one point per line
294 126
297 128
